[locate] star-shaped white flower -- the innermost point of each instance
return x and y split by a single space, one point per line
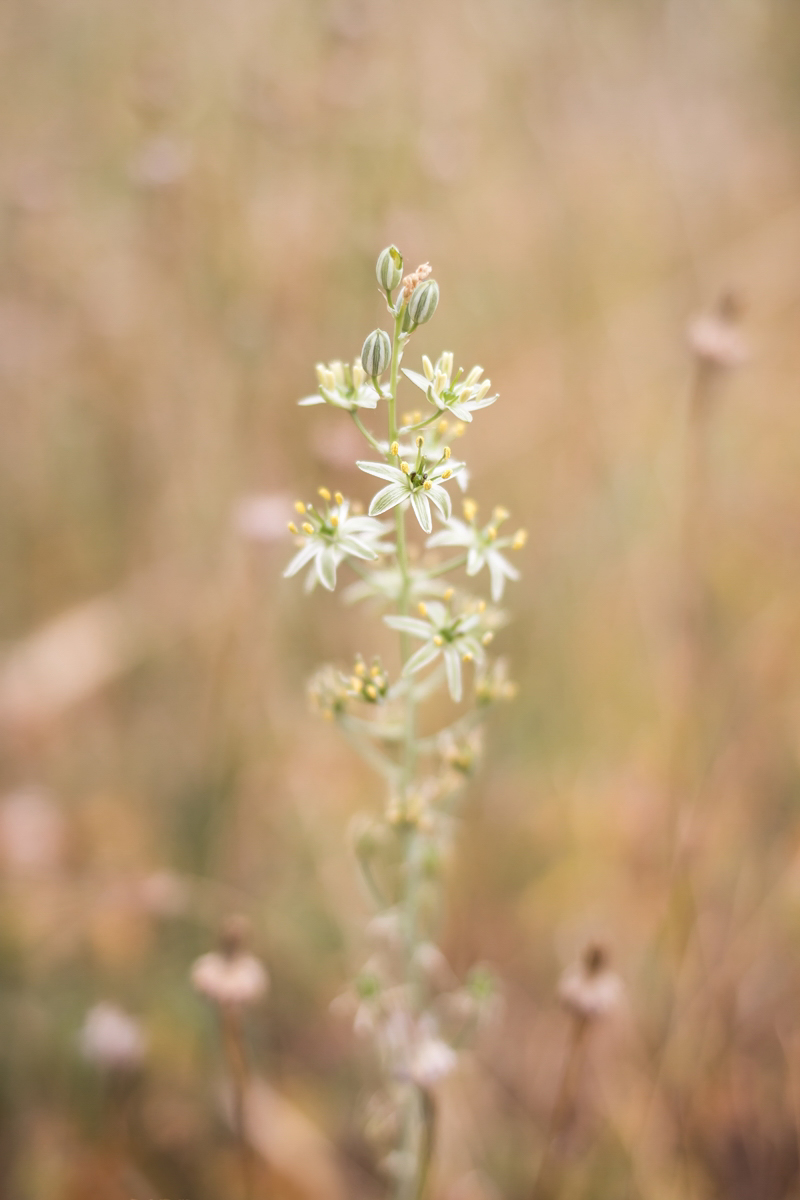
483 546
329 535
421 485
458 396
453 637
343 386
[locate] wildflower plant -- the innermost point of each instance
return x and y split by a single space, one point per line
407 998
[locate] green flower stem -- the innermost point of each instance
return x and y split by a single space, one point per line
445 568
373 441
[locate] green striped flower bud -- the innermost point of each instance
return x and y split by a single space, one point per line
376 353
422 304
389 268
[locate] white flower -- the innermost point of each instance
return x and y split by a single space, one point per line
456 396
110 1038
230 979
329 535
433 1059
590 988
343 386
420 484
483 546
454 637
389 585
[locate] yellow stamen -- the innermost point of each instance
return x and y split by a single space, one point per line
308 527
422 609
292 527
371 691
323 491
427 485
339 498
500 514
420 442
375 671
299 507
394 448
446 452
459 429
467 656
446 474
480 606
487 637
438 640
443 426
405 468
335 521
491 533
355 683
520 538
448 595
360 668
470 509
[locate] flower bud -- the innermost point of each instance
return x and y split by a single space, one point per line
424 299
389 268
376 353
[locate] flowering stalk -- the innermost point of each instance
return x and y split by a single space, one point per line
406 997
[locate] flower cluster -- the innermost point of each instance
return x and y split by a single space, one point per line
407 998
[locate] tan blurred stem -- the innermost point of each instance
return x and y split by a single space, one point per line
236 1059
420 1138
564 1103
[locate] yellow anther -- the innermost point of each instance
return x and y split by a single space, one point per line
299 507
416 416
467 656
470 509
480 606
323 491
355 683
408 418
339 498
446 452
500 514
405 468
459 429
422 609
443 426
491 533
308 527
334 521
371 691
448 595
520 538
292 527
438 640
375 671
394 448
446 474
360 668
427 485
487 637
420 442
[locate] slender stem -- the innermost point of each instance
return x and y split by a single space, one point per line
233 1042
444 568
373 441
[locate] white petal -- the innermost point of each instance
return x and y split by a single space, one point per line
387 497
308 400
304 555
326 568
358 548
474 561
452 663
441 498
382 471
412 625
422 510
419 380
425 655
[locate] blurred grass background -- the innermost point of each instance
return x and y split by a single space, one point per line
193 197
